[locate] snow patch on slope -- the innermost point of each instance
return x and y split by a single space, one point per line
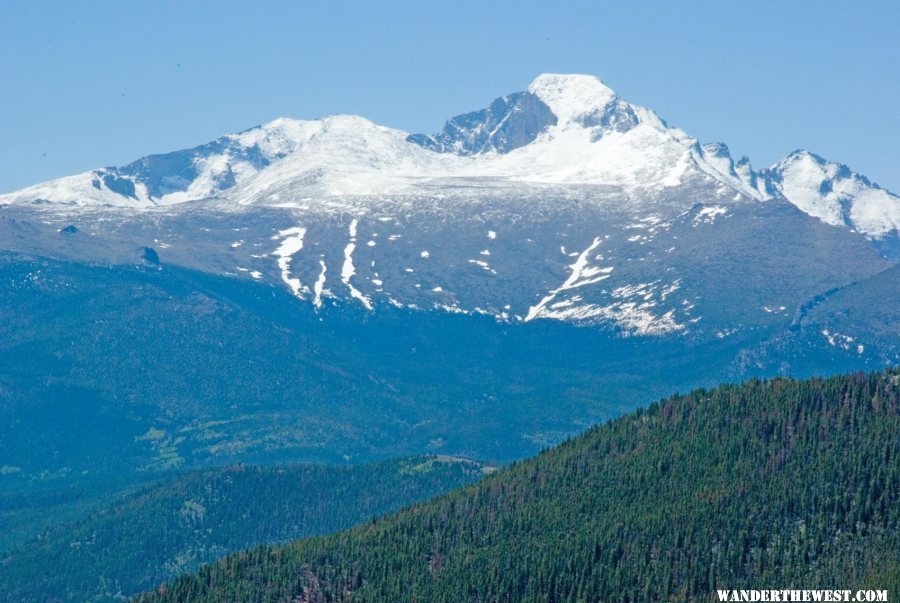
348 269
292 242
579 276
319 286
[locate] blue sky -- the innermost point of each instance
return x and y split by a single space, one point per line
90 83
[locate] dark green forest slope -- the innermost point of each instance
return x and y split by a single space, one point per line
173 527
770 484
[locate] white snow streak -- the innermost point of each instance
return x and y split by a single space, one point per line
319 287
292 243
579 270
348 270
708 215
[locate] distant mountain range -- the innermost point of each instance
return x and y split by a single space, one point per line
334 290
564 130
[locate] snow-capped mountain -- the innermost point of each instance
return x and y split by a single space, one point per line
563 130
335 287
835 194
561 202
178 176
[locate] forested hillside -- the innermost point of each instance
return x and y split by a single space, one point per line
768 484
173 527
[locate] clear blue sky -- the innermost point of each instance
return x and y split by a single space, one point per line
91 83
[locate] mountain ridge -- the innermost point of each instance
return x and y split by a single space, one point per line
563 129
173 526
562 202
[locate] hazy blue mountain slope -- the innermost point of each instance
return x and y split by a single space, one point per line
862 318
29 507
175 526
202 370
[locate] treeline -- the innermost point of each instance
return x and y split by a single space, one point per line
767 484
174 527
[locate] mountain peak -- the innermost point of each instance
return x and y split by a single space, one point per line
837 195
814 165
571 96
803 154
